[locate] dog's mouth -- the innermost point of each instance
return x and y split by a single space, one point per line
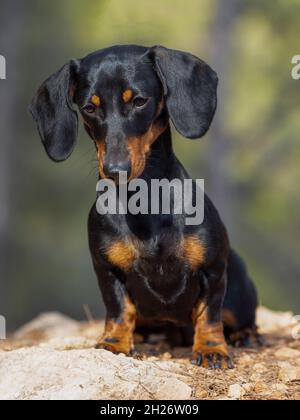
136 159
121 178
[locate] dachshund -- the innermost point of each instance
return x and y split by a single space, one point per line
152 269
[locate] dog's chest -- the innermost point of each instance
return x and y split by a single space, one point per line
131 253
160 255
163 287
160 273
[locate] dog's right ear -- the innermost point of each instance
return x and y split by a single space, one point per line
52 109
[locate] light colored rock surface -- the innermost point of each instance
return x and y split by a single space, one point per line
287 353
275 322
44 373
47 326
53 358
236 391
289 372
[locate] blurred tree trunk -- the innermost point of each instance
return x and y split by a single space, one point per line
221 53
12 26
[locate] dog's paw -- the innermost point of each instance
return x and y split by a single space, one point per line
213 360
248 338
115 345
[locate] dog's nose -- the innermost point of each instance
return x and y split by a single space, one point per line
112 170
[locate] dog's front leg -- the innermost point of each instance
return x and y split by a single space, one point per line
120 314
210 349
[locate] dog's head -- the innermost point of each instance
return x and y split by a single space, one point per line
126 96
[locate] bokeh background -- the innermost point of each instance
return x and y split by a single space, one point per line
250 159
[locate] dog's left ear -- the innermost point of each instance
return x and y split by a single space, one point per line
190 89
52 109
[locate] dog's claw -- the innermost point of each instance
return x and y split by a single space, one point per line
135 354
230 363
213 361
218 364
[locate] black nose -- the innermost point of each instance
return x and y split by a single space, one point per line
112 170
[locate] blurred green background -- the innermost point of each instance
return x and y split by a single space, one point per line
250 159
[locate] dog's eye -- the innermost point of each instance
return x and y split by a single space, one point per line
139 102
90 109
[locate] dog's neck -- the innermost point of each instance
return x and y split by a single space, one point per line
161 164
161 160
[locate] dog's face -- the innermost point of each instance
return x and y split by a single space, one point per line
121 102
125 95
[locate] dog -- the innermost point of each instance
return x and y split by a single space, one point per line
153 270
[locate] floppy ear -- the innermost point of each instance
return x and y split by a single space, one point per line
53 112
190 89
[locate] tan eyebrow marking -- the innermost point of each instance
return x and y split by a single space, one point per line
96 100
127 95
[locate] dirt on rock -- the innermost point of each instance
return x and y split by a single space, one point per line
53 357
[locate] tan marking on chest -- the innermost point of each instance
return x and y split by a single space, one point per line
194 251
122 254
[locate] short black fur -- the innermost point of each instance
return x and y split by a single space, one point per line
179 87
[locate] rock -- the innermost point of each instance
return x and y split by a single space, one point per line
202 395
53 357
261 388
288 353
245 359
274 322
173 389
281 388
259 368
288 372
42 373
236 392
46 326
255 377
248 387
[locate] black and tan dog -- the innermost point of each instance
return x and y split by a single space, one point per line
151 268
